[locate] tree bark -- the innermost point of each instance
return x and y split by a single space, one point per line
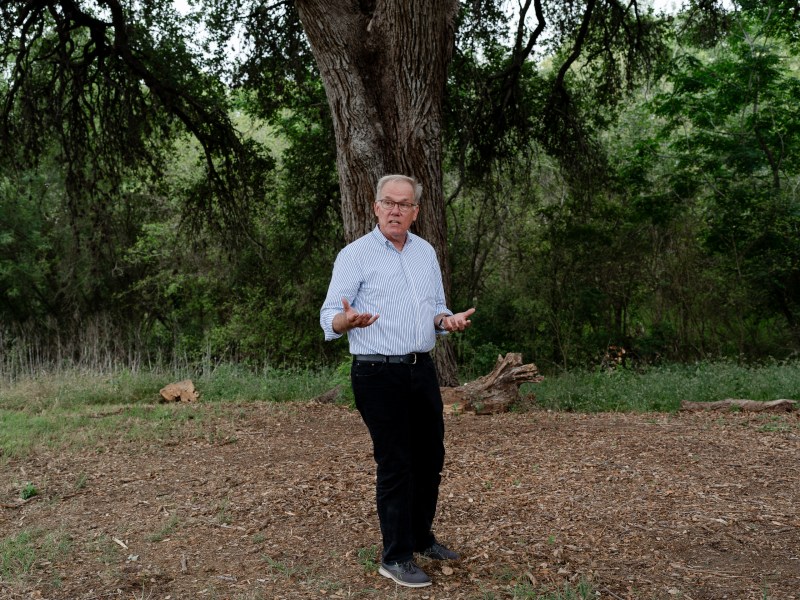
384 66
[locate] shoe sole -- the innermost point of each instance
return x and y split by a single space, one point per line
391 576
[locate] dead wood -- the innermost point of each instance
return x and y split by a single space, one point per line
781 405
21 503
493 393
182 391
330 397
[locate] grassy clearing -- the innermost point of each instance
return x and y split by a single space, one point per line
661 389
81 409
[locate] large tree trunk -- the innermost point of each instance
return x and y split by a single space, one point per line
384 67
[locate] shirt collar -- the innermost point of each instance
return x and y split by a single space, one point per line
386 241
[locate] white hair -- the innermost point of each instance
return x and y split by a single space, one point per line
416 185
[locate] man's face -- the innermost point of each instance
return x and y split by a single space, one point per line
393 222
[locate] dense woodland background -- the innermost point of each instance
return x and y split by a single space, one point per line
189 212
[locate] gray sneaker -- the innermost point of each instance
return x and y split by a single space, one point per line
405 573
439 552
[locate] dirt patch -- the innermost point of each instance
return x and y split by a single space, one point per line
278 502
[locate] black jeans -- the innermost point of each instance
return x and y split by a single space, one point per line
402 408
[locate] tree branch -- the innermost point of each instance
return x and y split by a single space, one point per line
576 48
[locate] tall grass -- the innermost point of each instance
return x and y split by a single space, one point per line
69 389
76 407
100 344
95 345
662 389
232 383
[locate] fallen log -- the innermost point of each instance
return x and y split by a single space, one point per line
493 393
781 405
332 396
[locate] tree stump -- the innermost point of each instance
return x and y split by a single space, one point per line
182 391
493 393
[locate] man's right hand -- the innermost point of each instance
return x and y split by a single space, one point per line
350 318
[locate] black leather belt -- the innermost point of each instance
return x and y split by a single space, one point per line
406 359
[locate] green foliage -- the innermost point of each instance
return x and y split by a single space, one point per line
369 559
28 491
341 379
111 96
25 247
683 246
583 212
732 122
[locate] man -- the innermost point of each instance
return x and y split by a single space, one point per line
386 293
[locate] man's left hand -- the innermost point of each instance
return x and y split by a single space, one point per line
459 321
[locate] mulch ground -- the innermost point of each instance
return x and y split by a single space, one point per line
277 501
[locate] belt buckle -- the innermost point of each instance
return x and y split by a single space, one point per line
415 358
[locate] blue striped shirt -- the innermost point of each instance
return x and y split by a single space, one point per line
404 288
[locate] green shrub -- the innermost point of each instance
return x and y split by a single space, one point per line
663 388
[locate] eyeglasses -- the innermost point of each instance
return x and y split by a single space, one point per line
389 205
